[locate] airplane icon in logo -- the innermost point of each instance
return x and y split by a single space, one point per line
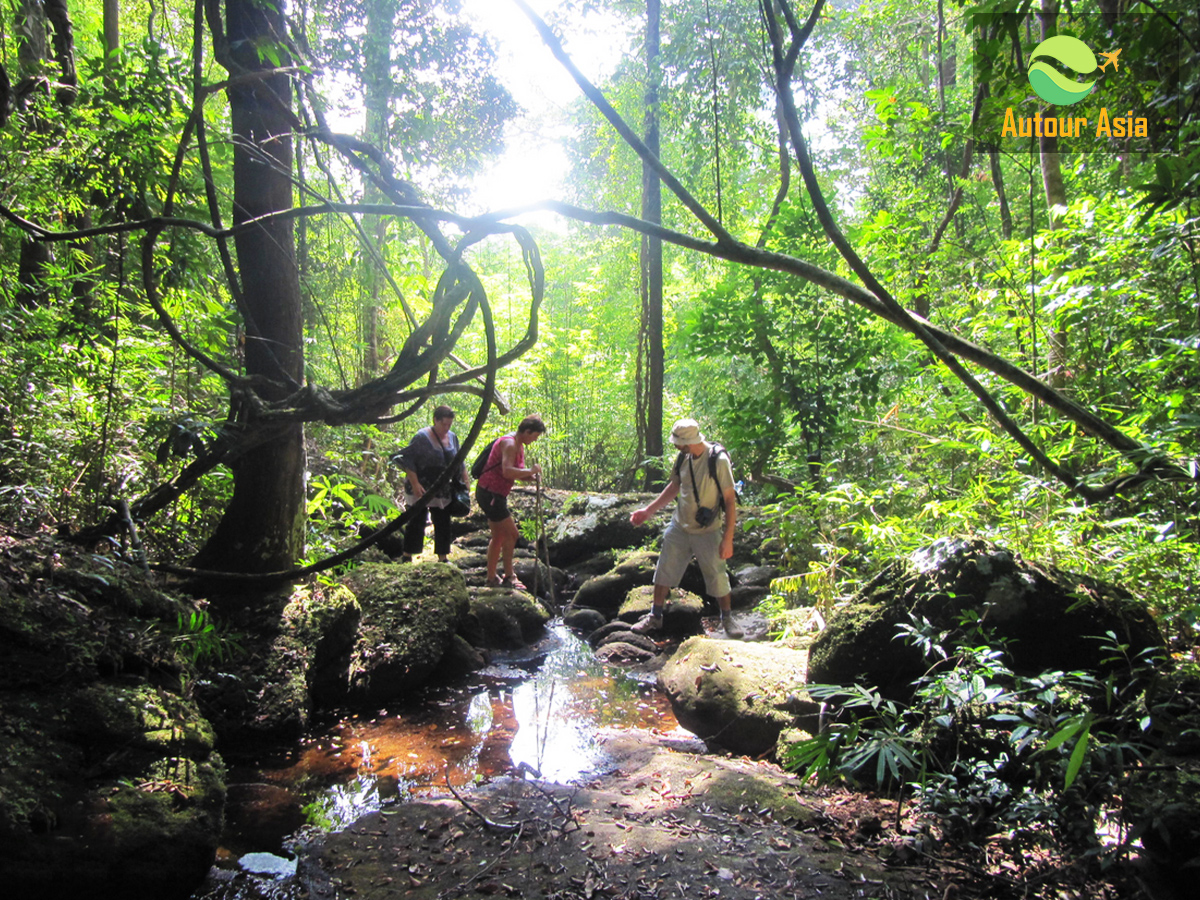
1110 58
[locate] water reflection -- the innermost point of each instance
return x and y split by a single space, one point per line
546 720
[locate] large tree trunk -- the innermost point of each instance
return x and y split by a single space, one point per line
262 529
650 345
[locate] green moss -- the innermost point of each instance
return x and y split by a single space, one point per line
140 716
508 619
639 600
409 615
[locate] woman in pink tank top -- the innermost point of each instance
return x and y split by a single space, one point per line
506 466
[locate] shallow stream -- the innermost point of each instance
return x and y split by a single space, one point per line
539 710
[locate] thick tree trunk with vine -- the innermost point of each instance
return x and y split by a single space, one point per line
262 529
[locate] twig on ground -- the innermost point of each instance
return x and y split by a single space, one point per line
488 823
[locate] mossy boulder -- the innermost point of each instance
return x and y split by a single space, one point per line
680 618
501 619
138 716
737 695
605 593
296 659
410 614
1047 618
589 523
109 785
107 790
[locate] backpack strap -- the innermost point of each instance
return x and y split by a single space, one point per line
715 450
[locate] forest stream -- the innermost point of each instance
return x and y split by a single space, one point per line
537 711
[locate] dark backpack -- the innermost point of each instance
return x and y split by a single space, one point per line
480 465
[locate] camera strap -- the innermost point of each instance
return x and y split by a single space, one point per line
691 464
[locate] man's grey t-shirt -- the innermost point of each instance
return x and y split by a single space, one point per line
710 494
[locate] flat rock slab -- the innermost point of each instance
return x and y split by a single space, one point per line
664 822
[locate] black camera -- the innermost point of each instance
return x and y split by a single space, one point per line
705 516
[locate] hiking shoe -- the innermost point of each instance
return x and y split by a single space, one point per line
648 624
732 628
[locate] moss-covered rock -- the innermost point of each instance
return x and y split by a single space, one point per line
505 620
1047 618
540 579
108 783
107 717
588 523
410 614
297 658
583 619
737 695
110 812
605 593
682 614
461 659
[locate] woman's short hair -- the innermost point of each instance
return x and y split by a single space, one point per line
532 423
443 412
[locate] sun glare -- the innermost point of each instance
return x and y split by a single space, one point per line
534 162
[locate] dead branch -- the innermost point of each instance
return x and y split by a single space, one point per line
489 824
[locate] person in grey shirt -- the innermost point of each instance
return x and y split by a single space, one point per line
696 529
430 450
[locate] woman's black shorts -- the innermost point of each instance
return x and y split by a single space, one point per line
494 506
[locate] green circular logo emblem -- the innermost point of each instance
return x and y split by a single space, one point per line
1050 84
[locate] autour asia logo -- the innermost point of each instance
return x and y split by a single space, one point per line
1058 90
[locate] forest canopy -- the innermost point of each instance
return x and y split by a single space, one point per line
239 269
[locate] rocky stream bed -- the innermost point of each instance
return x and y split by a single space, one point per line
119 711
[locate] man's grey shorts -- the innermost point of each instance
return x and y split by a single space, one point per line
678 548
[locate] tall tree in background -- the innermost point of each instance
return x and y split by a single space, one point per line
1056 202
377 96
262 528
650 335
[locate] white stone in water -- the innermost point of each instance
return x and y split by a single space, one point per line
268 864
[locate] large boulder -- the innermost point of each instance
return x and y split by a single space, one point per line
1046 618
589 523
410 614
502 619
736 695
109 785
605 593
296 659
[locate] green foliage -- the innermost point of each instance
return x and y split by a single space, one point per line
200 640
983 750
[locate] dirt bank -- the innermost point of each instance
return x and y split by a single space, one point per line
664 820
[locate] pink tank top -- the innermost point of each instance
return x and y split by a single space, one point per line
493 478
